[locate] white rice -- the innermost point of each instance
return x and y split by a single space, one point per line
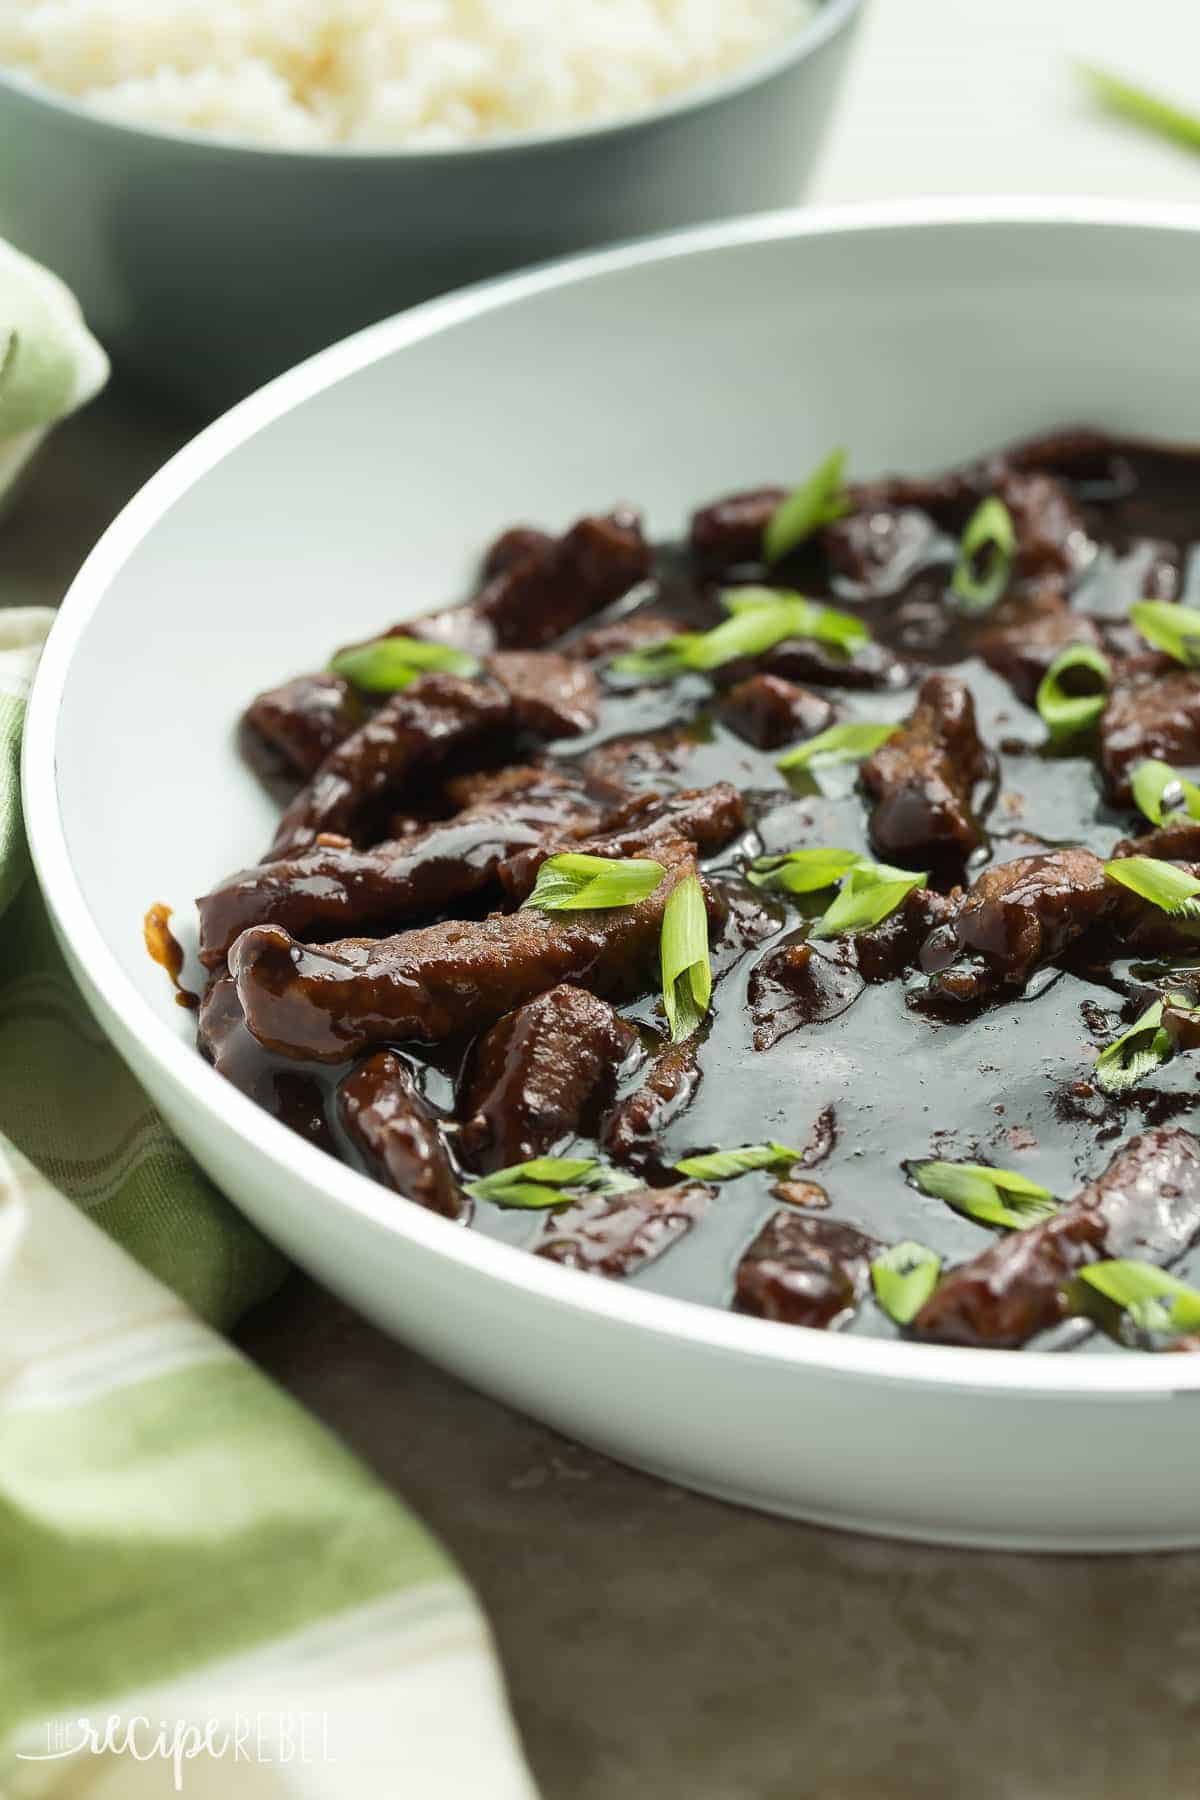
309 73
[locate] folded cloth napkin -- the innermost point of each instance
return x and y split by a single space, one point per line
200 1591
49 361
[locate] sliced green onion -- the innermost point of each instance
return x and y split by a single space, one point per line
992 1196
534 1184
686 970
1162 883
1069 709
801 871
868 894
816 502
1141 107
1145 1046
1152 1300
836 744
543 1180
727 1165
391 663
611 1181
575 882
1175 629
810 618
903 1278
759 619
985 556
1160 790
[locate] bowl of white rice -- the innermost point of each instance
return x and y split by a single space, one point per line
231 184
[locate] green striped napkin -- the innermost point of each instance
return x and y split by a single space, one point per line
200 1591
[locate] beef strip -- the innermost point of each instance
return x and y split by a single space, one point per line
802 1270
397 1134
628 765
796 985
329 891
892 947
630 1135
1017 916
730 531
443 980
416 727
1149 715
1034 629
288 1094
949 498
514 546
923 777
876 550
540 1076
618 1234
1136 927
480 788
1145 1205
1047 524
768 712
1178 840
547 591
302 721
705 817
552 695
1049 528
1076 451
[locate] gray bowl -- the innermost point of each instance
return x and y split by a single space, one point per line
207 266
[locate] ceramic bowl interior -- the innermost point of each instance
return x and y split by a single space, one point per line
362 487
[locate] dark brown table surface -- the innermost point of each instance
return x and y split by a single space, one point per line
658 1644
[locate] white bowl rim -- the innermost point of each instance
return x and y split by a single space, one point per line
831 17
705 1327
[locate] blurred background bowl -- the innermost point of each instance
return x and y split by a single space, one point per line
207 266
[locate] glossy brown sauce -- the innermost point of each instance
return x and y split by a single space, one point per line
165 949
881 1083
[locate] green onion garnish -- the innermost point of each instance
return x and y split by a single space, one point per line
759 619
868 894
992 1196
391 663
1175 629
816 502
1142 107
801 871
828 624
836 744
686 970
1160 791
903 1278
534 1184
1162 883
1072 705
985 556
1145 1046
1152 1300
574 882
543 1180
727 1165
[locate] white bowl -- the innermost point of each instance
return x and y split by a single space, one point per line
364 483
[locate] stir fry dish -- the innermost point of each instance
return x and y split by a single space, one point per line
803 918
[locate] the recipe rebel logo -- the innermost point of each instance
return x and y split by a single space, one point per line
283 1738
